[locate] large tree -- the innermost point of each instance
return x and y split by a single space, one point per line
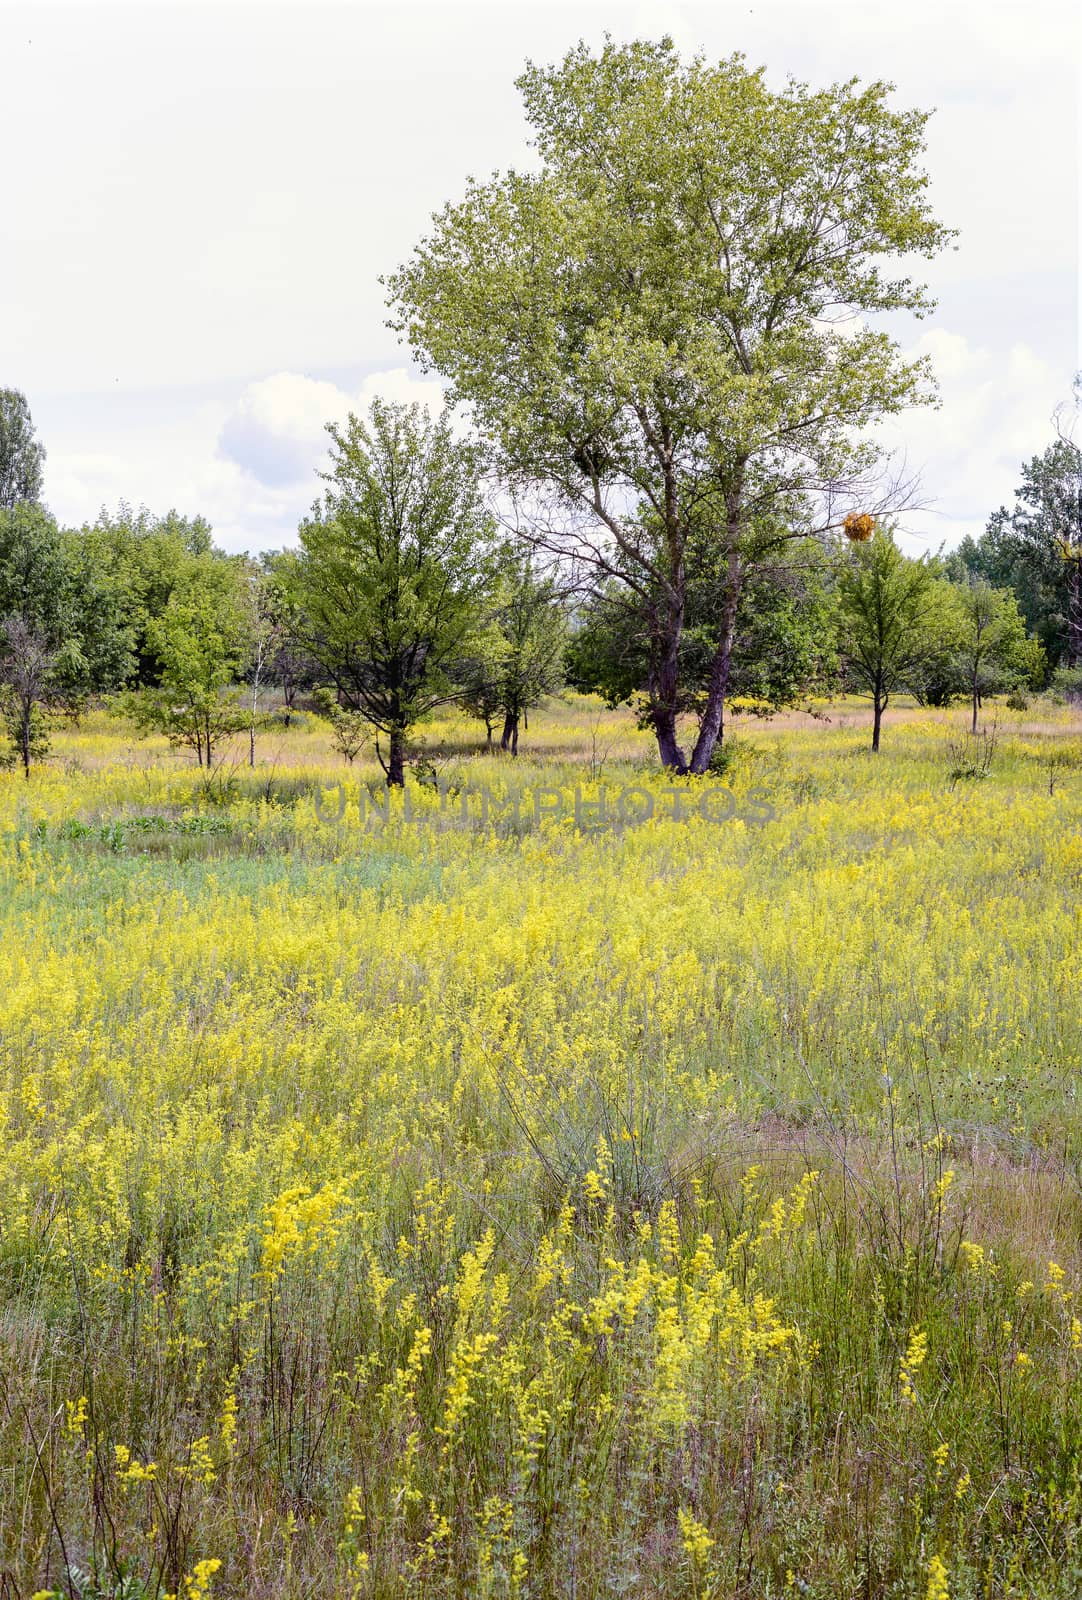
21 454
659 330
397 570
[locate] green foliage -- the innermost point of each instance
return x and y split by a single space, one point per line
62 628
201 640
350 731
48 578
522 657
645 328
21 455
783 649
991 650
146 558
1067 685
397 571
1035 549
895 621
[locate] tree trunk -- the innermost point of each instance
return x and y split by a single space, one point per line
509 737
877 722
663 699
396 759
976 704
668 747
24 732
1074 612
710 730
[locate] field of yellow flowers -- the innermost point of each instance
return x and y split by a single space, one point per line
485 1201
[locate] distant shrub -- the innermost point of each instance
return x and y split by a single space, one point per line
971 759
1067 686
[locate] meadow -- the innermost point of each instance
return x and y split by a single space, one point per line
450 1205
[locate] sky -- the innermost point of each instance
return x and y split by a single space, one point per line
200 200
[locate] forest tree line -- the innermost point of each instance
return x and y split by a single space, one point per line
376 619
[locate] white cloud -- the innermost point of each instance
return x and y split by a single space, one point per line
277 430
400 385
996 411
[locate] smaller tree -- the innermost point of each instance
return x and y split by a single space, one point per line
27 669
397 572
21 455
992 651
202 640
291 667
525 660
893 622
481 689
266 626
1035 548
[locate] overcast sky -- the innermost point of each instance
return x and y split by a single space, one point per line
199 202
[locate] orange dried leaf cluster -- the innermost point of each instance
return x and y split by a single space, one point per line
859 526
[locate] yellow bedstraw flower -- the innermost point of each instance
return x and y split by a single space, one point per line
1054 1282
227 1421
130 1471
197 1586
76 1413
972 1255
200 1464
911 1362
938 1588
697 1539
940 1187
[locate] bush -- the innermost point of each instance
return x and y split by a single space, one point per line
1067 686
350 730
